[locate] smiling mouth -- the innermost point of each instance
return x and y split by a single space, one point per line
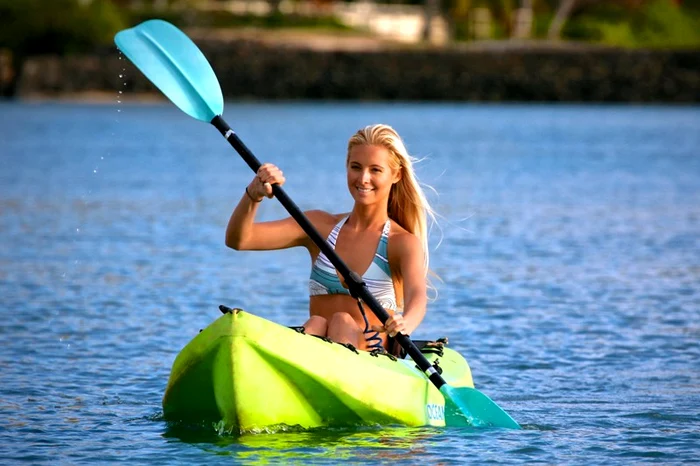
365 190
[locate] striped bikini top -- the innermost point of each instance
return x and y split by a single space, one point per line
324 278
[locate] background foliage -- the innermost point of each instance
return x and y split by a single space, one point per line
30 27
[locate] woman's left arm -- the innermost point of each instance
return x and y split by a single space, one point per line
412 267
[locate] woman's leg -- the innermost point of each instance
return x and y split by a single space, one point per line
342 328
316 325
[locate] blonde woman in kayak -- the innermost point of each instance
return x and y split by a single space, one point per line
384 238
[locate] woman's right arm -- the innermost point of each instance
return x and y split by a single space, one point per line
243 233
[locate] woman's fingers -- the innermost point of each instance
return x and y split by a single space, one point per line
267 175
393 325
270 173
268 189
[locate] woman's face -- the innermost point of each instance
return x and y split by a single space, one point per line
369 175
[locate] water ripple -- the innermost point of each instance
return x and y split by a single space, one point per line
568 261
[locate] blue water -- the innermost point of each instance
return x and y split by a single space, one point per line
569 252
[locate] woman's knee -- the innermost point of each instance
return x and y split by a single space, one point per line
342 328
342 320
316 325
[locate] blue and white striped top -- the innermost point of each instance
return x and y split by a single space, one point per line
324 278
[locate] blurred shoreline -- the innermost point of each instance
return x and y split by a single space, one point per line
312 65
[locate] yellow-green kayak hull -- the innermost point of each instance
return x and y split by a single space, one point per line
250 374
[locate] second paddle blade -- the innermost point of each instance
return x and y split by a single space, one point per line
171 61
466 406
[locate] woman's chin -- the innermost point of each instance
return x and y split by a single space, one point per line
363 198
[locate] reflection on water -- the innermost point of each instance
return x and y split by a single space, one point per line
374 444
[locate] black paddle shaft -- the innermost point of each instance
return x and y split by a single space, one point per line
355 284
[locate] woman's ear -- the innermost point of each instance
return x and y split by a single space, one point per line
398 174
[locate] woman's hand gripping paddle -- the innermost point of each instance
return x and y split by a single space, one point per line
171 61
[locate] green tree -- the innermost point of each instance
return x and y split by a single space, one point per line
37 27
634 23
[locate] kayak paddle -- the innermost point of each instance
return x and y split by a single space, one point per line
176 66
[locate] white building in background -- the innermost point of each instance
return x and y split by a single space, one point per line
402 23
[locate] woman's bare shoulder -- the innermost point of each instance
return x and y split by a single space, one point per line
401 240
396 229
324 221
321 217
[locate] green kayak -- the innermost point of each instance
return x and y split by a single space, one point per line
250 374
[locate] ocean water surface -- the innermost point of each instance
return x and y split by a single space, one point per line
568 248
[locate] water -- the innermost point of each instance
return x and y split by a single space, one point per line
569 254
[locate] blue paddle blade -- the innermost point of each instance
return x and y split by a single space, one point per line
466 406
177 67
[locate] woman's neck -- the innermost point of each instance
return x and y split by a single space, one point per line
368 217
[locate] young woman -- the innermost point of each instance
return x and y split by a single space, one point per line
384 239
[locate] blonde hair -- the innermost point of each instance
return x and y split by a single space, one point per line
408 205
